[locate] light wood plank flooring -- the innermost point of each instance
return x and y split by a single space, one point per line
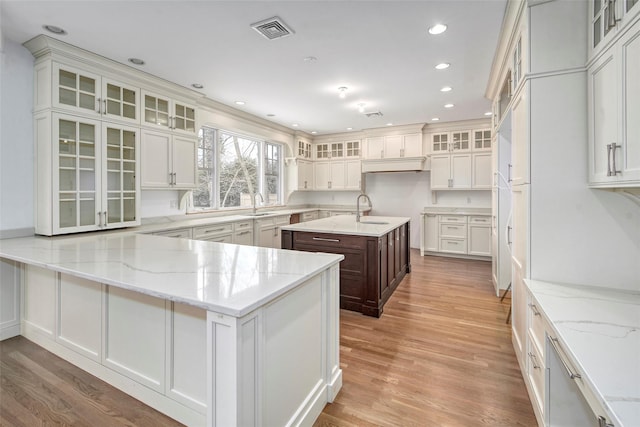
440 355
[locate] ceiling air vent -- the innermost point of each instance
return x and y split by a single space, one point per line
272 28
374 114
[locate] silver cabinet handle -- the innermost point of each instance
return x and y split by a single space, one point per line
534 309
534 360
614 170
402 152
509 228
99 219
243 232
104 105
509 166
214 231
322 239
170 178
98 104
106 223
602 422
570 373
609 160
382 154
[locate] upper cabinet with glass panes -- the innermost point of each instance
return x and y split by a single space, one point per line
352 149
163 112
608 18
92 95
304 150
482 139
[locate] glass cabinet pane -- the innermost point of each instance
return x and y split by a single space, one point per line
120 101
121 178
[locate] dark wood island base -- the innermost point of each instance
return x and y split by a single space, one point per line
372 268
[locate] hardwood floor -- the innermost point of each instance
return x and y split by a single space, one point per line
440 355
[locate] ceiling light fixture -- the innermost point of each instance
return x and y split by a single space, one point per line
442 66
197 85
295 125
488 113
136 61
446 89
349 128
310 59
438 29
342 91
435 119
361 107
389 124
448 105
55 30
313 132
240 102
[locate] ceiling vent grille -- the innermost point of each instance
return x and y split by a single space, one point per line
272 28
374 114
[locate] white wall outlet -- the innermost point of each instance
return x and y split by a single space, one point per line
173 204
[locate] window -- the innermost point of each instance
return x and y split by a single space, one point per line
233 168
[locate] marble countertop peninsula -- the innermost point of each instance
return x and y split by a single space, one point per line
457 211
600 328
224 278
374 226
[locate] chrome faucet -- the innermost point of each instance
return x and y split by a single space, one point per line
253 199
358 205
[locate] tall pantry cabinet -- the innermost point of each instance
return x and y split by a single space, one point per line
559 229
88 124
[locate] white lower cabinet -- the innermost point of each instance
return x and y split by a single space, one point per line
243 233
183 233
221 233
9 299
268 233
456 234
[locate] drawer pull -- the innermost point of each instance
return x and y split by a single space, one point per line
243 232
534 309
214 231
534 360
323 239
570 373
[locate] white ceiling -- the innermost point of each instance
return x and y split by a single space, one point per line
380 50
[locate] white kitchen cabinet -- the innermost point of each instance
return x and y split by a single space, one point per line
520 150
451 171
429 235
607 20
352 149
9 299
614 105
394 146
181 233
86 93
221 233
309 216
243 233
460 141
353 175
440 142
482 139
482 176
304 150
299 174
168 114
479 237
168 161
452 233
268 232
87 174
329 175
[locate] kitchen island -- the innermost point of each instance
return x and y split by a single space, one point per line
207 333
376 255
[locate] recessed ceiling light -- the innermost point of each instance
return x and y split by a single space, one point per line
488 113
197 85
448 105
342 91
361 107
136 61
271 115
438 29
435 119
442 66
55 30
313 132
389 124
240 102
295 125
349 128
446 89
310 59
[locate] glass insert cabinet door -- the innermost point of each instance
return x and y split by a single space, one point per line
119 101
121 185
76 181
76 90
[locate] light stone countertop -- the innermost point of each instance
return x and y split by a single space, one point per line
600 328
456 211
374 226
224 278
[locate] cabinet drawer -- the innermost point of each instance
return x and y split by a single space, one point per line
184 233
279 220
225 238
336 241
243 225
453 230
309 216
457 246
455 219
212 230
537 326
535 375
483 220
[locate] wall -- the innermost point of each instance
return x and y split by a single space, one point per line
16 140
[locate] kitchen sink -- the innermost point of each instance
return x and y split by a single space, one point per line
374 222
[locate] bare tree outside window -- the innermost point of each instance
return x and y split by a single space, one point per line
233 168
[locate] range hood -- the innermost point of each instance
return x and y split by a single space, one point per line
402 164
